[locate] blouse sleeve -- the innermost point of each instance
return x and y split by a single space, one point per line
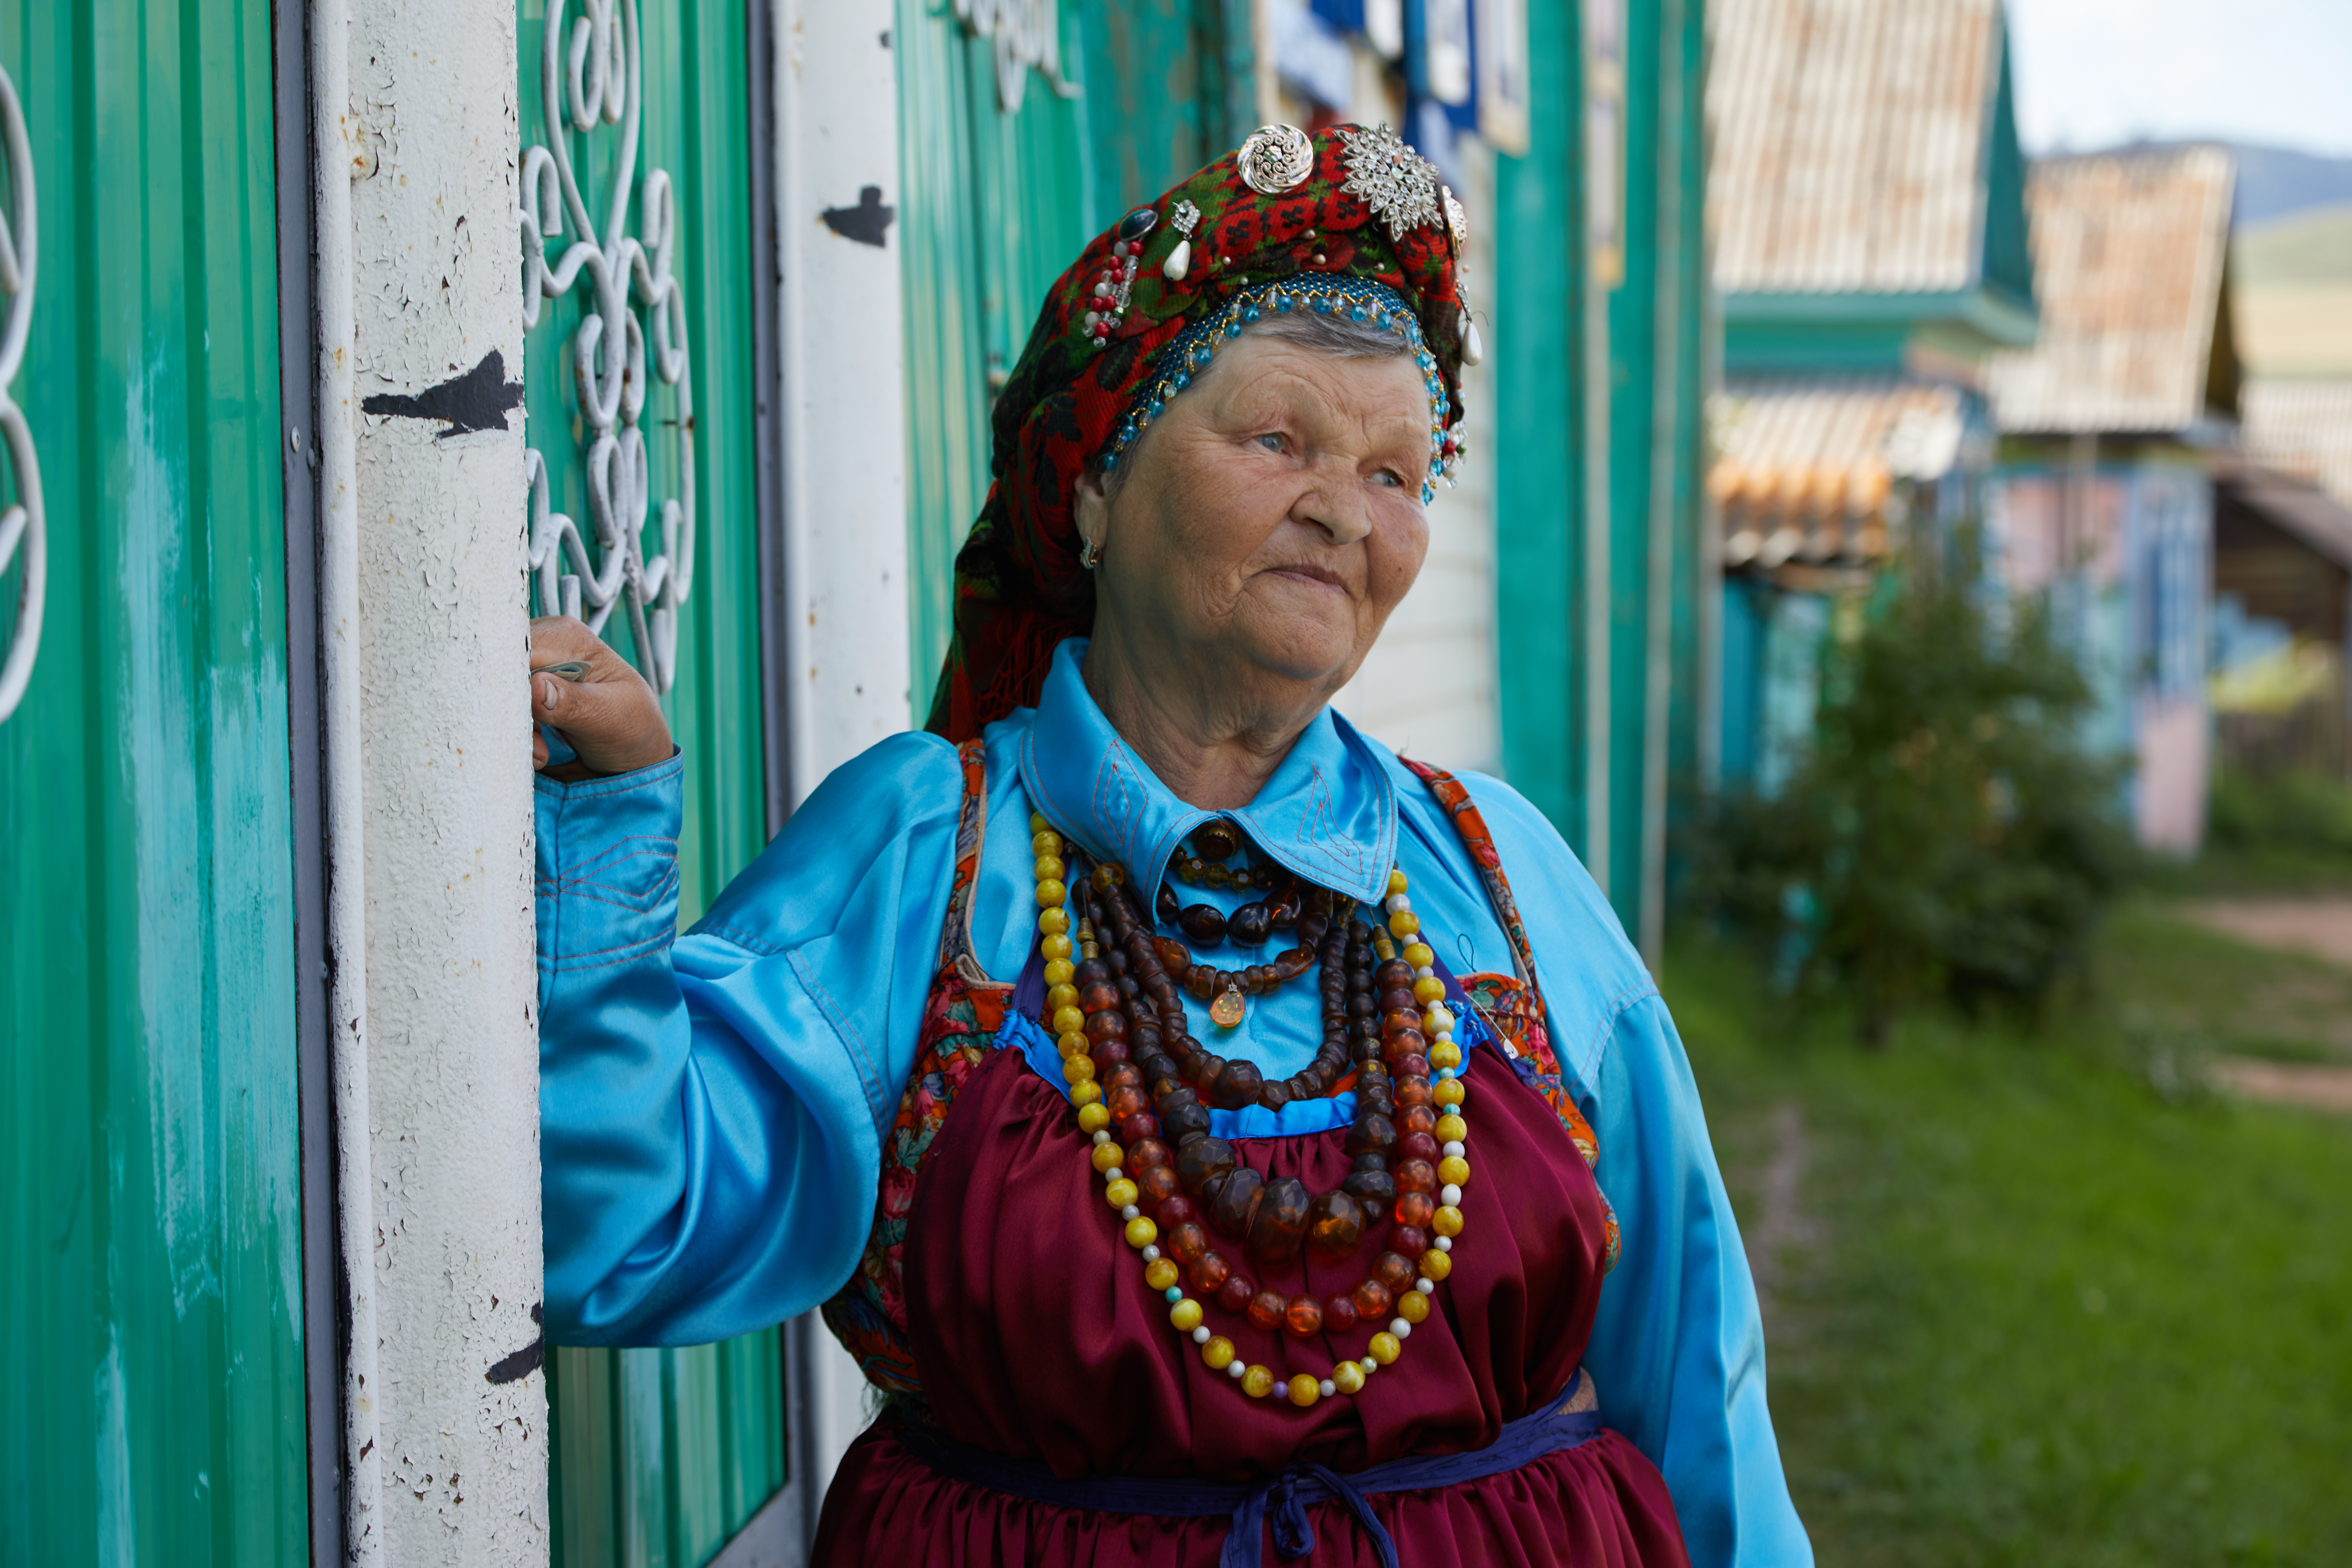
712 1107
1677 1345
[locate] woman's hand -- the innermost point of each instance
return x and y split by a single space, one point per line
609 715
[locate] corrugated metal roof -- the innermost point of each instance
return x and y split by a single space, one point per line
2128 251
1848 140
2303 428
2294 505
1806 469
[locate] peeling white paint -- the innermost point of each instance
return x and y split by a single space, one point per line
450 1033
841 333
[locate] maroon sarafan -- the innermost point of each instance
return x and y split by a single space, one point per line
1032 1337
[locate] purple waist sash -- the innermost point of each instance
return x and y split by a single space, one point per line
1283 1498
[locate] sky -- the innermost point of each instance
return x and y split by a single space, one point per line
2094 73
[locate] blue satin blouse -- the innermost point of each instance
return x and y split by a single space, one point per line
712 1104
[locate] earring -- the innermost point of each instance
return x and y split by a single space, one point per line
1089 554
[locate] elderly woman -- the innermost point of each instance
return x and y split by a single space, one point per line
1197 1121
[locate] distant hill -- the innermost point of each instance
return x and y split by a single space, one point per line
2293 277
2273 181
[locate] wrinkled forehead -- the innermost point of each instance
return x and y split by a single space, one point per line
1361 302
1324 391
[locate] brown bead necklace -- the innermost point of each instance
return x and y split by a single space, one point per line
1132 1065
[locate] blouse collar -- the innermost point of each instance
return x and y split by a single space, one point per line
1328 812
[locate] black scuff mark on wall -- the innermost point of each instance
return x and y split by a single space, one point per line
522 1362
866 222
479 400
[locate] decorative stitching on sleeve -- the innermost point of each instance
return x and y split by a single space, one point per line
869 1072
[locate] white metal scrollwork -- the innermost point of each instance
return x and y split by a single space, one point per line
24 539
591 77
1026 33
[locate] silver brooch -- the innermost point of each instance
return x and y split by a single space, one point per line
1457 222
1275 158
1391 178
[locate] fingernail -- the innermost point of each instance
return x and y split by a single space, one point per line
550 693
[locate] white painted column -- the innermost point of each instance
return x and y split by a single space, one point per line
841 403
843 397
451 996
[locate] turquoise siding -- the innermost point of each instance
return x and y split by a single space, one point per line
1539 406
1655 331
151 1263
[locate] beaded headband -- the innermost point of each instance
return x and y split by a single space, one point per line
1325 294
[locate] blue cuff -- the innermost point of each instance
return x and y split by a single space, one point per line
607 866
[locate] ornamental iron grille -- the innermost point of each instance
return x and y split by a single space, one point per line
24 539
591 82
1026 33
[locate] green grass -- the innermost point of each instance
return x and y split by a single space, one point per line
2168 985
2056 1306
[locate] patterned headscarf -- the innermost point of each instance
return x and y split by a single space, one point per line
1349 219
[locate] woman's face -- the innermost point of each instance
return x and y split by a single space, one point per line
1270 519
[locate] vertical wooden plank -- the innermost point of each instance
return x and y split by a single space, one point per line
150 1240
1697 589
947 428
1539 348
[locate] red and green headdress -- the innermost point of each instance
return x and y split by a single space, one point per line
1350 220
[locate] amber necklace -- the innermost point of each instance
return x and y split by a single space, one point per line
1121 1027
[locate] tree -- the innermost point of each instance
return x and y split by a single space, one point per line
1950 833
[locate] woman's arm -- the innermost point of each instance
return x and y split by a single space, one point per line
712 1107
1677 1346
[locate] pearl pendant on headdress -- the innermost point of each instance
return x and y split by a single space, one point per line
1185 218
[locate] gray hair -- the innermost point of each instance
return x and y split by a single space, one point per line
1334 333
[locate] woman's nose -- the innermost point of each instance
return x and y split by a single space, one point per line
1335 503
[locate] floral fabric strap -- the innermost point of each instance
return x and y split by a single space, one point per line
1513 1004
960 1018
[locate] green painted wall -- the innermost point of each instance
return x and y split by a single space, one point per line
1539 405
661 1455
1686 443
996 204
150 1187
1654 330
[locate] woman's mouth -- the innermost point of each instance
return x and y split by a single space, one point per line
1310 572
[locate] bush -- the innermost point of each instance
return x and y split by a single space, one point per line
1949 836
2292 813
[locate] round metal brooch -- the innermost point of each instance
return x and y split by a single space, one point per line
1275 158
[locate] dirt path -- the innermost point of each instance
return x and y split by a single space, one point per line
1782 1223
2321 927
2317 927
2287 1083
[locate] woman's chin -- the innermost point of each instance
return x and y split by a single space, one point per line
1303 649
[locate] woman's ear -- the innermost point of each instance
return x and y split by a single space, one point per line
1091 509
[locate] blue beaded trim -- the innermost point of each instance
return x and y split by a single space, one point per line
1362 298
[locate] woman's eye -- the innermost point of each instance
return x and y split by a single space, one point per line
1271 442
1391 477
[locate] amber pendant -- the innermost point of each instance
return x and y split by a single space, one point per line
1227 1009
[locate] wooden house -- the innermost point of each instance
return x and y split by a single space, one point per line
1866 197
2105 498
